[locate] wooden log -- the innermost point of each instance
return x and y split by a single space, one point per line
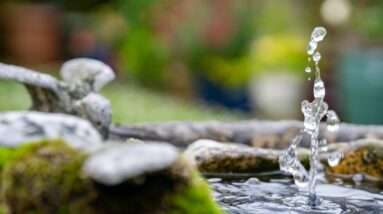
267 134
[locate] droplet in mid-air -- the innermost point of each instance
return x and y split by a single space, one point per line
312 47
319 89
332 121
334 158
358 178
318 34
323 145
305 107
316 57
309 122
287 160
301 180
308 69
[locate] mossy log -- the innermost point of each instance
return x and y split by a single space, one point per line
267 134
48 178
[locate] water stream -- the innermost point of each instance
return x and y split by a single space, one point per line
313 113
295 190
281 195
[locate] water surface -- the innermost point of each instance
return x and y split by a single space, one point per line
280 195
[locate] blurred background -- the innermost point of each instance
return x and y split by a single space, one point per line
204 59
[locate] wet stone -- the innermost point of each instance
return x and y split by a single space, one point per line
215 157
116 163
360 157
17 128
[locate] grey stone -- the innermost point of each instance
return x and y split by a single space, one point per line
76 95
116 163
17 128
87 73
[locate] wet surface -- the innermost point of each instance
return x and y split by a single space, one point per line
280 195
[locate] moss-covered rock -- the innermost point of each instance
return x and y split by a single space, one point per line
216 157
48 178
45 177
365 156
194 198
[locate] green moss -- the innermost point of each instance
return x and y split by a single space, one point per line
8 154
194 198
43 177
46 177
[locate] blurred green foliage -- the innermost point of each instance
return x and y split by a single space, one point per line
148 56
144 57
130 103
231 73
280 53
214 41
78 5
368 19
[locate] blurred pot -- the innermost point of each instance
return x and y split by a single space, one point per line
360 82
277 95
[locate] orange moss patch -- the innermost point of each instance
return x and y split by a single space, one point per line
367 160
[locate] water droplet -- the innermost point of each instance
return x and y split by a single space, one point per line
338 181
214 180
306 107
316 57
323 142
323 145
334 158
312 47
358 178
319 89
301 180
297 139
333 128
332 121
308 69
252 181
287 159
309 122
318 34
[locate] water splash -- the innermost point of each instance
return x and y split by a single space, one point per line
334 158
277 195
332 121
313 113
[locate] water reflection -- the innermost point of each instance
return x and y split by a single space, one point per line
280 195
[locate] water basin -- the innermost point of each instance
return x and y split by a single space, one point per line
278 194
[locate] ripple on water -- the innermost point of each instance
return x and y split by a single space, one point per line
254 196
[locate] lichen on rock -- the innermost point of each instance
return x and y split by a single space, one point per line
360 157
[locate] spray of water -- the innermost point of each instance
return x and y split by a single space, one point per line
313 113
